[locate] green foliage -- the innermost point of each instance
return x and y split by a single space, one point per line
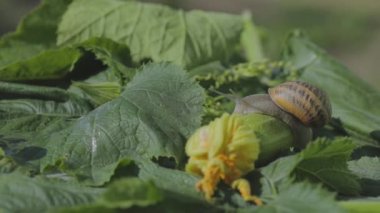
326 162
29 99
368 170
353 101
35 34
141 123
250 40
282 193
154 31
369 205
115 55
322 161
23 194
366 167
49 64
125 193
81 105
99 93
301 197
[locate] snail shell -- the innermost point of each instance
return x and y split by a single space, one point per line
304 101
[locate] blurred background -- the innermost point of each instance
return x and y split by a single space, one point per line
347 29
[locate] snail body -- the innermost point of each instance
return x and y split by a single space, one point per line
296 103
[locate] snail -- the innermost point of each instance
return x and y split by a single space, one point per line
261 128
299 104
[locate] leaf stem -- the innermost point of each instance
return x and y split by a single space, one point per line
17 90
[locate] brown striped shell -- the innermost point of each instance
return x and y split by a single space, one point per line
304 101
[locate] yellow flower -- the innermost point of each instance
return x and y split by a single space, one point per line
224 150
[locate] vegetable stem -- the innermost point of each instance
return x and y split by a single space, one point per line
16 90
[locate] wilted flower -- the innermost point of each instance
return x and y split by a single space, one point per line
224 150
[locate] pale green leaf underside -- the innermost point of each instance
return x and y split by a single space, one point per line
366 167
159 108
153 31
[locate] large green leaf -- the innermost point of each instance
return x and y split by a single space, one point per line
322 161
354 102
31 53
158 109
180 191
174 181
177 192
121 194
276 173
301 197
56 63
154 31
326 162
19 130
24 194
35 34
282 194
49 64
29 111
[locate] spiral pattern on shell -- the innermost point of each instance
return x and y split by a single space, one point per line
306 102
